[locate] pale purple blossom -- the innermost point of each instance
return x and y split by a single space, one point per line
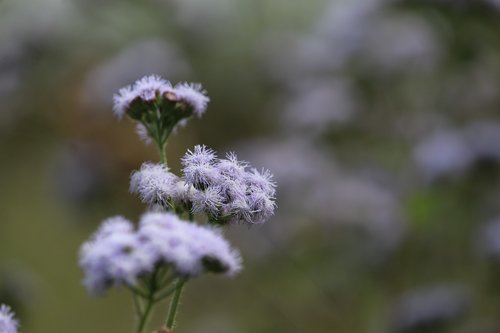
260 207
194 95
114 256
154 184
183 194
150 87
118 254
145 89
190 248
208 201
122 100
199 167
201 154
113 225
227 190
262 180
231 168
8 322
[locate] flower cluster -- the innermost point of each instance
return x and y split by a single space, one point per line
151 88
117 254
155 259
227 191
158 106
113 256
224 189
190 248
8 323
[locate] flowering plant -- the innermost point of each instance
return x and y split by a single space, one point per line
168 247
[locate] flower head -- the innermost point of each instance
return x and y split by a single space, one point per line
154 184
201 154
113 256
150 86
261 180
8 323
113 225
122 100
194 95
152 94
208 201
187 246
199 167
183 194
231 168
227 191
117 254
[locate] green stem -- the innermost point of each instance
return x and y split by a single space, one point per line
165 294
166 281
150 302
137 291
145 316
137 305
161 150
174 304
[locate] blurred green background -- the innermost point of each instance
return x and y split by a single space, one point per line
380 120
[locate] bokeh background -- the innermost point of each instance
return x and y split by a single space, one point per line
380 120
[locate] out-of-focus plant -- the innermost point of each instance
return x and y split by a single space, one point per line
8 322
157 258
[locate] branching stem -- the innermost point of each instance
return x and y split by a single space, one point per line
174 303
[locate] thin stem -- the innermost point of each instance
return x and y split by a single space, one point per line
162 271
145 316
161 150
191 216
150 302
174 303
165 294
166 281
137 291
137 305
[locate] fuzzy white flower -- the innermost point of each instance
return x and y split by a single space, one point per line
201 154
154 184
146 89
194 95
183 194
114 256
262 180
122 100
150 86
8 323
113 225
199 167
208 201
190 248
231 167
227 191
